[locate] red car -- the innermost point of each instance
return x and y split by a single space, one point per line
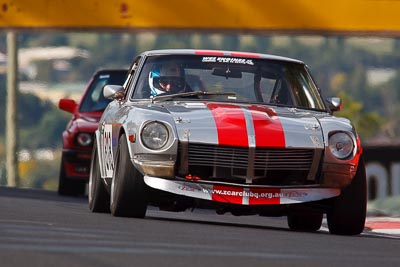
78 136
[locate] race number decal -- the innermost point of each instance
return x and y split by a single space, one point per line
107 152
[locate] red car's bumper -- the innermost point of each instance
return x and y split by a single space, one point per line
76 164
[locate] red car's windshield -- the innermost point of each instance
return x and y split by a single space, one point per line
94 99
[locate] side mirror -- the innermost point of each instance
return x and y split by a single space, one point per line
68 105
334 103
113 92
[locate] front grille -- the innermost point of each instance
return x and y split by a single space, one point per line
238 164
228 157
283 159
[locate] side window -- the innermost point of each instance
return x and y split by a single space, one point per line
131 74
142 88
303 94
282 94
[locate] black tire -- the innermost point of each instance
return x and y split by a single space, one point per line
348 211
69 187
306 222
99 199
128 190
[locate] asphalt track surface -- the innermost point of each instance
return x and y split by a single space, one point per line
40 228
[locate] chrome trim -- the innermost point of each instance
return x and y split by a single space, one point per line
252 145
315 165
181 179
250 170
183 158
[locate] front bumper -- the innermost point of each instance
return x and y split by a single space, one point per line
76 163
242 194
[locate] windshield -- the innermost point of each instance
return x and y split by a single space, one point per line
94 99
229 79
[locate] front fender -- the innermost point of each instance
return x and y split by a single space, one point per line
339 173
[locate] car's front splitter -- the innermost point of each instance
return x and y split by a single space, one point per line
242 195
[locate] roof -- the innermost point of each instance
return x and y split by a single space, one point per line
218 53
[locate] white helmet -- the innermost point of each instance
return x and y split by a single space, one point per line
169 73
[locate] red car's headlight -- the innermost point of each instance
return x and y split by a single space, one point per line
84 139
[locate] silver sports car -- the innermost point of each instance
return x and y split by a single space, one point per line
237 132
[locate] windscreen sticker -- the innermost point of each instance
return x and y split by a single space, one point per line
232 60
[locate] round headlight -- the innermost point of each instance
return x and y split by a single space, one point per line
341 145
84 139
154 135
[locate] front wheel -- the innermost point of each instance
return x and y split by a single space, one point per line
128 190
99 199
308 222
348 210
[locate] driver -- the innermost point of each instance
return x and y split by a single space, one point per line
167 78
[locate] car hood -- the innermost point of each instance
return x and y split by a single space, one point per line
87 122
246 125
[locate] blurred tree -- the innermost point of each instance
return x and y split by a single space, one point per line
35 137
45 175
367 124
25 168
35 115
206 42
264 44
165 41
44 39
40 174
231 42
32 109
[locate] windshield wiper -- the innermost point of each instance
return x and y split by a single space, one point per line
189 94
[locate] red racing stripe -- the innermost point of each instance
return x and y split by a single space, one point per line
209 52
248 55
231 124
267 127
254 196
227 194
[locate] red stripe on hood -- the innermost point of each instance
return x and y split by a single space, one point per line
267 127
231 124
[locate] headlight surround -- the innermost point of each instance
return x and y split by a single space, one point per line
154 135
84 139
341 145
